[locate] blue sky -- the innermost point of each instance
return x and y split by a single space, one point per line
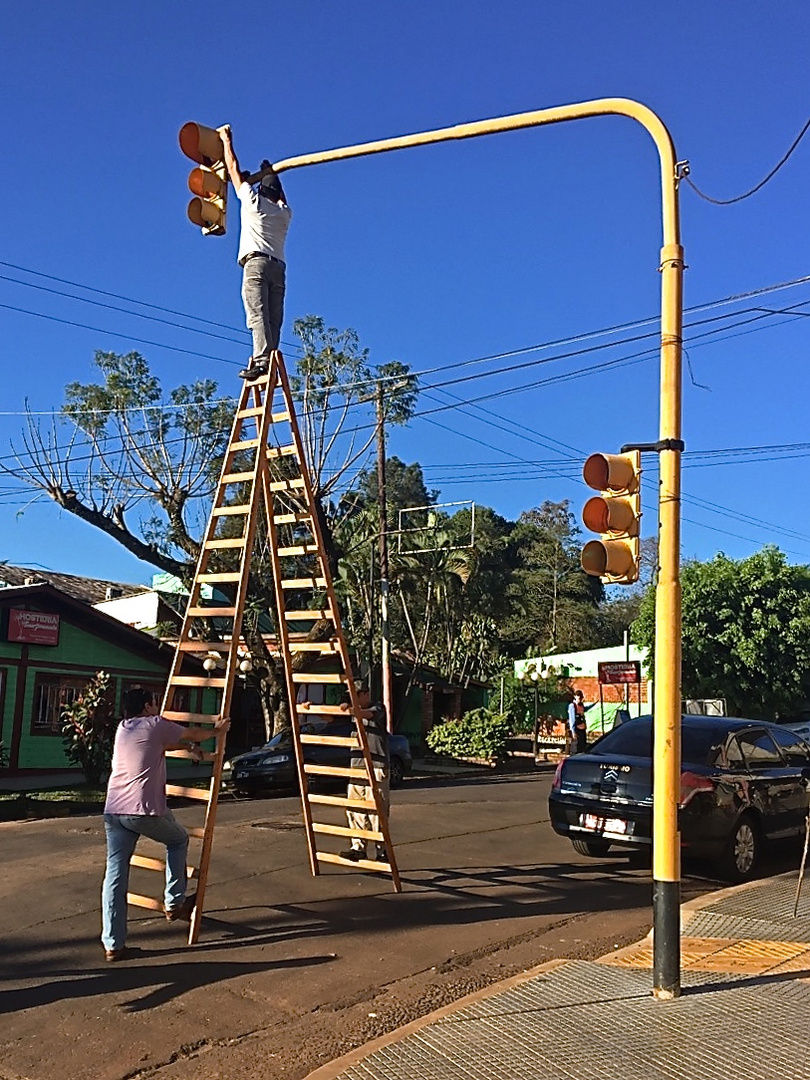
435 256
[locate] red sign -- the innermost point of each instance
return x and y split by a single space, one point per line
619 671
33 627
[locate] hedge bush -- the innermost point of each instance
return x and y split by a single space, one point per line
478 734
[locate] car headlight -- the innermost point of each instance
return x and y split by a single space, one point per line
276 759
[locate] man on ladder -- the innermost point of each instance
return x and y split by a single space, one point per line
265 219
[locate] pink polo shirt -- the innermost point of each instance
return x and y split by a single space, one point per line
138 779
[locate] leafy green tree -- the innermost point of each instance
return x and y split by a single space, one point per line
88 729
554 601
480 733
746 632
131 461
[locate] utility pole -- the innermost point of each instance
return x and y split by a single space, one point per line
385 650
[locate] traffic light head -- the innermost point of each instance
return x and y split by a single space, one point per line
616 514
209 182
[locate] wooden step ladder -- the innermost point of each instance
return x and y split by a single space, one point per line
267 471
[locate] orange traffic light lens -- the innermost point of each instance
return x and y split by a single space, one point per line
596 472
594 558
595 515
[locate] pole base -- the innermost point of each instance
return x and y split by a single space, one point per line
666 940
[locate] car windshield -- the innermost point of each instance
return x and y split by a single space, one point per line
634 738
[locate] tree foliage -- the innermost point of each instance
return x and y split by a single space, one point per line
478 734
88 730
746 632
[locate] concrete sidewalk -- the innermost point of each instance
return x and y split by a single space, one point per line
743 1011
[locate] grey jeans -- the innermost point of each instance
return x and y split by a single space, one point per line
263 284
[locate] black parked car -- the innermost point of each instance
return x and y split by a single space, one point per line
742 785
273 765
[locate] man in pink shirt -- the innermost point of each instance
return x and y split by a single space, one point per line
136 806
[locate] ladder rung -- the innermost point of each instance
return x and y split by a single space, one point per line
287 485
290 519
281 451
341 830
188 792
315 614
257 410
246 444
180 717
157 864
230 575
144 901
315 646
280 417
335 770
206 756
343 800
330 740
197 680
321 710
316 677
225 511
230 543
363 864
300 549
210 612
303 583
236 477
193 645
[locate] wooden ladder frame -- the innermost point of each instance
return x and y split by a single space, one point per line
286 501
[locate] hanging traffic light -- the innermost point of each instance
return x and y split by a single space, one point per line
208 182
616 514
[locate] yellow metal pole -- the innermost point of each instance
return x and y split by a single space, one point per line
667 722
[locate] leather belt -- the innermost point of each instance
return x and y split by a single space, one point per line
260 255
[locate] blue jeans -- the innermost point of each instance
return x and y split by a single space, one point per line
123 831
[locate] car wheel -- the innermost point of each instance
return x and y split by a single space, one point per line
743 850
595 848
396 772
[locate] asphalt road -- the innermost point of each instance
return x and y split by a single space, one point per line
292 971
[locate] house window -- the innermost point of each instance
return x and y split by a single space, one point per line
52 693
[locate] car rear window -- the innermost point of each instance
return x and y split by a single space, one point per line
699 744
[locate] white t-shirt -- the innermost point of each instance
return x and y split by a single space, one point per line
264 224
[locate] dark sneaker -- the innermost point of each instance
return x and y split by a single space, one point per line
382 855
112 956
353 854
182 912
257 367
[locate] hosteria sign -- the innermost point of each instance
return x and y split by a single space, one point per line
619 671
33 627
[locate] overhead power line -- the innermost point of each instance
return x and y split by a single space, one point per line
756 187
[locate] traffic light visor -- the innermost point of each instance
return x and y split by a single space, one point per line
205 183
202 144
609 558
611 472
207 216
